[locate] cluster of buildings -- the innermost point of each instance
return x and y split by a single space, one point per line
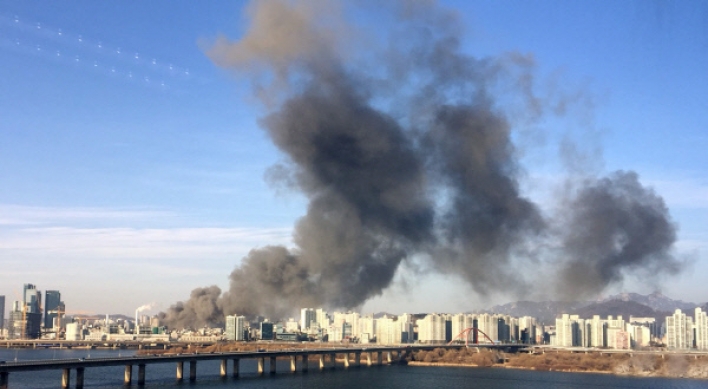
679 331
319 325
32 316
613 332
683 331
40 315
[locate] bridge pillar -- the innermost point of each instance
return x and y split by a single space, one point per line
193 370
65 378
4 378
223 368
141 374
378 357
357 359
79 378
293 364
273 365
128 375
305 362
261 362
346 360
236 365
389 357
180 370
333 359
322 361
368 358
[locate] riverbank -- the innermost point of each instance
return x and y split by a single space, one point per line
638 365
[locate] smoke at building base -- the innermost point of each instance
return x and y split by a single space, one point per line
403 146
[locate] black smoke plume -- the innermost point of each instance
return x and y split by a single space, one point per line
404 146
615 225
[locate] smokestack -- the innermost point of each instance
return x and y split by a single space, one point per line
138 310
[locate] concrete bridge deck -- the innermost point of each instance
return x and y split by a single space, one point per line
373 356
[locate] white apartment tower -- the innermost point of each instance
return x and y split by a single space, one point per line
367 328
388 331
679 331
701 329
431 329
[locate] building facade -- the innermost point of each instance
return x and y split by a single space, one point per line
235 327
679 331
53 308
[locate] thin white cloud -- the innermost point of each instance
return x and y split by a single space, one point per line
133 243
11 214
125 265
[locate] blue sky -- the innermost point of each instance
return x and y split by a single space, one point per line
132 168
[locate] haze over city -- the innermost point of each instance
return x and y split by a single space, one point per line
411 157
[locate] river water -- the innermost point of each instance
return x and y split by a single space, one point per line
396 376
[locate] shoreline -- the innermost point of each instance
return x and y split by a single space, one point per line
700 375
500 366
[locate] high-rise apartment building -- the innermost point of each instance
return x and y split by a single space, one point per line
406 322
235 327
322 318
431 329
701 329
367 328
679 331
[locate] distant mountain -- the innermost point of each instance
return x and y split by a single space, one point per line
624 304
544 311
656 301
618 308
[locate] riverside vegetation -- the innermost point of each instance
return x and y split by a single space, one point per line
650 365
631 364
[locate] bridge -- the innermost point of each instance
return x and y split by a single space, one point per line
327 359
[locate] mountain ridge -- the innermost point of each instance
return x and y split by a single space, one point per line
625 304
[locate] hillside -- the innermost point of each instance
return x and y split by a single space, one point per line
618 308
652 305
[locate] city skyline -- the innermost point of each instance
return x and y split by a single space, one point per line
134 169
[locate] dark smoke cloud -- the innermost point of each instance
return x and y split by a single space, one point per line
201 309
404 146
615 225
471 151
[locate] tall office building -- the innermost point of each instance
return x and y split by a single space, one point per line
2 312
53 307
235 326
32 298
267 331
32 301
308 316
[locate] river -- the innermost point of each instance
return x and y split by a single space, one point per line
396 376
